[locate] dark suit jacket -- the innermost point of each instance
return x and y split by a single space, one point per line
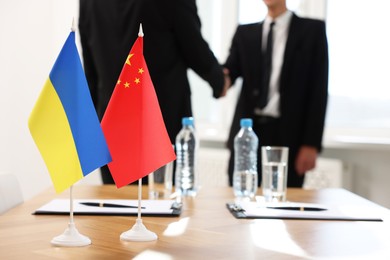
303 83
172 44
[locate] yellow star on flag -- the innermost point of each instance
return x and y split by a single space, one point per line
128 59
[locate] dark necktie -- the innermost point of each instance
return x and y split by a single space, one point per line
267 67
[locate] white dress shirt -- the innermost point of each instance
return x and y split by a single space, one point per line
280 34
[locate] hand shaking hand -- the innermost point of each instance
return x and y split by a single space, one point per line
228 82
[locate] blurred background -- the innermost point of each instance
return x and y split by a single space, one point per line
356 152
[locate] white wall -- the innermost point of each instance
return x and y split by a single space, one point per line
368 174
366 154
32 34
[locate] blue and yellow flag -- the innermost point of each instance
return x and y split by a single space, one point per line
64 124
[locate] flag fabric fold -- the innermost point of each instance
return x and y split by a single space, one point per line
64 123
133 124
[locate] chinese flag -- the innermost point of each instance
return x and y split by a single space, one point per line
133 125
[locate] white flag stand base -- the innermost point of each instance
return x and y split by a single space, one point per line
71 237
138 233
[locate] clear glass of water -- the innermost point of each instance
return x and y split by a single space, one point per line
160 182
274 173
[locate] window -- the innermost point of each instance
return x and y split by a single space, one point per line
359 78
250 11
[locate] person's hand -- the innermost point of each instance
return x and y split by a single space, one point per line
228 82
306 159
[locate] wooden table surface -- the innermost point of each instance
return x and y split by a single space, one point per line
205 229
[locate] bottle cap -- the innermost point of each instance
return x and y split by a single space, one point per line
187 121
246 122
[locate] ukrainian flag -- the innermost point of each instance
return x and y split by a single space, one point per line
64 124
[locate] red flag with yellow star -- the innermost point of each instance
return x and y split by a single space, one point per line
133 125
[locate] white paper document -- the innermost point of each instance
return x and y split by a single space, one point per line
299 210
111 207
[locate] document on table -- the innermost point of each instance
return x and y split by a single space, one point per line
309 211
111 207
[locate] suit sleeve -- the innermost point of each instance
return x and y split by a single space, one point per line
318 78
195 50
89 67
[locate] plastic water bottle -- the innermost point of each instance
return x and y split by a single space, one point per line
245 161
186 146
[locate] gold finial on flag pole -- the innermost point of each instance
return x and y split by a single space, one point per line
140 33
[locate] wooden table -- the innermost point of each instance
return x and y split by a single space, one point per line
205 229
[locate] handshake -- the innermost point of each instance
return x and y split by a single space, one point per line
227 83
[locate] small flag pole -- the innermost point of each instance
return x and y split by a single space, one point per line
71 236
139 197
139 232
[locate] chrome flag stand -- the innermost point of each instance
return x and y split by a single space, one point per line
71 236
138 232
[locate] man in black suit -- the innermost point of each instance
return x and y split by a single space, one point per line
172 44
295 92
